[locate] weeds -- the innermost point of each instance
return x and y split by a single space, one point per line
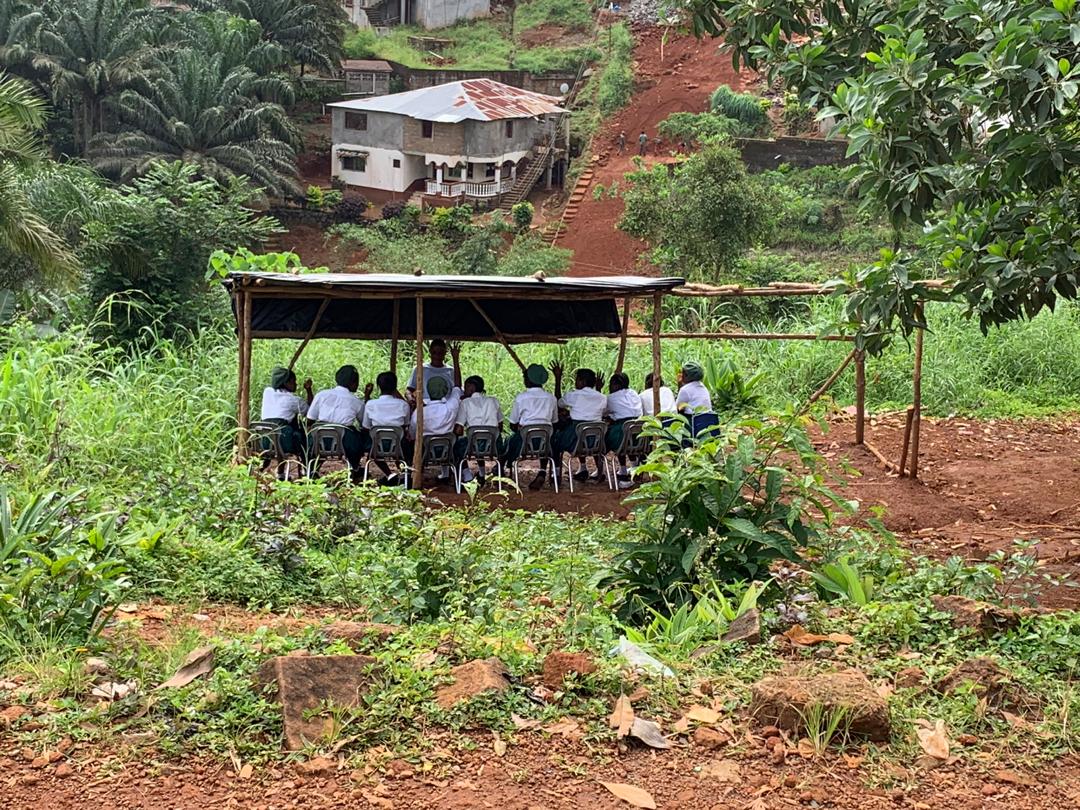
825 725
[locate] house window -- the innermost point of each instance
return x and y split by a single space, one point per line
489 170
354 164
397 163
427 129
509 129
356 120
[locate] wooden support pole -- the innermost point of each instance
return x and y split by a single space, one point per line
498 335
890 466
907 441
310 333
238 298
916 395
245 374
860 396
622 338
395 332
418 449
657 298
825 386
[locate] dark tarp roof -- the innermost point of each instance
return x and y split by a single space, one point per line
361 305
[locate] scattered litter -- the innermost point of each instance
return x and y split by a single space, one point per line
639 659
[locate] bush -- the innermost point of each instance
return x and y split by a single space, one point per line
522 214
530 255
350 209
797 116
743 107
616 83
698 128
719 510
314 198
453 224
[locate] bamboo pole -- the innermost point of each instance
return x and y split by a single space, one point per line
418 448
916 398
245 375
241 442
657 298
622 337
395 332
860 396
748 336
310 333
498 335
907 441
825 386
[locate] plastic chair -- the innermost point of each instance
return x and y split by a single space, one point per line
590 444
482 444
326 440
635 446
386 447
439 452
536 444
271 432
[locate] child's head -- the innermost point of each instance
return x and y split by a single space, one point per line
386 382
585 378
619 382
474 385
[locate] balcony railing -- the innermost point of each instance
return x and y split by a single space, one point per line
468 188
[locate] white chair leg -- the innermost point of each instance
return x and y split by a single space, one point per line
554 474
367 467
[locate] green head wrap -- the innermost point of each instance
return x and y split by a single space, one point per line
438 387
536 374
693 372
346 376
279 377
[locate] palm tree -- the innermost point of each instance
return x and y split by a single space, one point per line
94 49
20 27
26 239
195 110
240 42
311 31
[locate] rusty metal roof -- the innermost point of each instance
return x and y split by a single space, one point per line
375 65
471 99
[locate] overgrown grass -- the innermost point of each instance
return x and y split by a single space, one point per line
617 75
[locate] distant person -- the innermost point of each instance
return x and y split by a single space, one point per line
584 404
390 410
477 409
622 142
693 396
282 406
341 406
440 413
437 367
667 398
533 406
623 405
658 144
642 144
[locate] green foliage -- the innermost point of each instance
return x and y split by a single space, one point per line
395 249
570 14
310 31
522 215
699 128
314 198
842 579
616 83
529 254
453 224
242 260
731 391
746 108
797 115
701 218
478 253
717 510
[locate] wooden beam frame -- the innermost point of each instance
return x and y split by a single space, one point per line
622 338
916 394
421 391
310 333
243 416
395 330
657 314
495 329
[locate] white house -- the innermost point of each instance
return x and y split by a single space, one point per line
466 139
429 14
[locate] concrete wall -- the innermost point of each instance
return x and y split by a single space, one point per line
803 153
380 171
431 14
383 130
446 139
489 137
367 82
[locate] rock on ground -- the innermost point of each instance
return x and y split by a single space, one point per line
990 681
560 664
783 701
745 628
356 633
472 679
974 615
306 683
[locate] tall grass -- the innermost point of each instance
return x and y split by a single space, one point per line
617 76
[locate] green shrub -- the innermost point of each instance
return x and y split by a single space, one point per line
616 84
697 128
453 224
522 214
744 107
797 116
314 198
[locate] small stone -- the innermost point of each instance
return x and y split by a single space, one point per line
967 739
709 738
791 781
770 731
39 762
778 755
806 797
558 665
317 766
472 679
356 634
28 754
63 771
910 678
30 779
974 615
989 789
12 713
898 796
96 666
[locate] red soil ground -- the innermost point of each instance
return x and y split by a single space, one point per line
680 81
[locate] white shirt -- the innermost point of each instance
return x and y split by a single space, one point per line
534 406
624 404
479 410
585 404
695 396
430 372
386 411
277 403
439 414
667 401
337 405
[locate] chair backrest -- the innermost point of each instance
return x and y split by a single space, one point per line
386 444
265 436
590 438
704 422
481 442
635 444
327 440
439 449
535 441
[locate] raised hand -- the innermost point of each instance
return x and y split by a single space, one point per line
599 380
556 369
454 348
367 390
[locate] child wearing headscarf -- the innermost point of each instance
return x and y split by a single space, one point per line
693 396
533 406
281 405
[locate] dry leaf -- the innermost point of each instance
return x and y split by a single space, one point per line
426 659
885 690
806 748
649 733
703 714
247 771
852 761
798 635
934 740
728 728
631 795
524 724
681 726
199 662
499 745
567 727
623 717
723 770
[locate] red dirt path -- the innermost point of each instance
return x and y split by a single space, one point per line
682 81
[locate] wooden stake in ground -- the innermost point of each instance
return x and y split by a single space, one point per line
825 386
907 441
916 398
657 298
860 397
245 376
238 299
418 449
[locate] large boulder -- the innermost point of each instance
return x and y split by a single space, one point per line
472 679
558 665
783 701
306 685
